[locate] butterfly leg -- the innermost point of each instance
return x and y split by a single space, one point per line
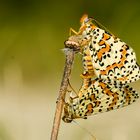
72 89
72 31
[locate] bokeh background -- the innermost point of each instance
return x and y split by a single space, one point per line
32 33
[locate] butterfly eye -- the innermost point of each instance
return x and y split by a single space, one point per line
86 20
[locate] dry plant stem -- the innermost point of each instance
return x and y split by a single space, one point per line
63 89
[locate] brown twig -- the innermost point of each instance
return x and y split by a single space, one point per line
63 89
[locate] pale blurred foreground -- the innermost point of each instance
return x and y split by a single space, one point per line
26 113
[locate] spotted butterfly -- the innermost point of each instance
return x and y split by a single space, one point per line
105 55
98 96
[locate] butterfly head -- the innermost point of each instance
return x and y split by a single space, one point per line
85 19
67 117
85 22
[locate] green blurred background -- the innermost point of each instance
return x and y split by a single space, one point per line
32 33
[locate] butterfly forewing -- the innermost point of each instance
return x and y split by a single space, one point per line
111 58
101 97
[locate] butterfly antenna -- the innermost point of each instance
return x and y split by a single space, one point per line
93 137
102 26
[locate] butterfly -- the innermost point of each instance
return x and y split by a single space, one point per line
96 96
104 55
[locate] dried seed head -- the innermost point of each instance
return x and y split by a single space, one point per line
74 42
